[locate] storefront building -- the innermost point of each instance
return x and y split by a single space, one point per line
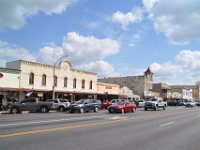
9 83
68 82
107 91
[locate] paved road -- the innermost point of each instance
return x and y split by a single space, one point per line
177 128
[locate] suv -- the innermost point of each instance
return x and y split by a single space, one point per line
154 103
59 104
30 104
85 105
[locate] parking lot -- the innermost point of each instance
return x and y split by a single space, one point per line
173 128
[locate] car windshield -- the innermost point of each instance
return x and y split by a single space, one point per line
80 102
63 100
120 103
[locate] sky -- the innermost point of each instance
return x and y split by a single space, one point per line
110 37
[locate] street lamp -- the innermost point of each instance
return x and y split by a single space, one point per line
54 66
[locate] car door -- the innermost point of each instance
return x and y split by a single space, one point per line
127 107
28 105
55 104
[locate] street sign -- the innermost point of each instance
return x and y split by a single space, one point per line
1 75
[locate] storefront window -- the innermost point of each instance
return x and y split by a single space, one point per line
65 82
90 84
31 78
43 79
83 84
74 83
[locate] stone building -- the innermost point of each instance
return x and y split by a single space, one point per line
68 82
140 85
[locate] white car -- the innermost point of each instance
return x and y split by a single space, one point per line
59 104
190 104
141 103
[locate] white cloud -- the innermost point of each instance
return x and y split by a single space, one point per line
124 19
86 52
50 54
9 52
103 68
13 14
179 21
184 69
88 49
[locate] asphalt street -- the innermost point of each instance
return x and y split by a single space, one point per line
176 128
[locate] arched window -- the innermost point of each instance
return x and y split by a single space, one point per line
83 84
65 82
90 86
31 78
55 80
44 79
74 83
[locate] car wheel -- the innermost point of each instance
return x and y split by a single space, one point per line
81 110
96 109
155 108
122 111
44 109
14 110
61 108
145 108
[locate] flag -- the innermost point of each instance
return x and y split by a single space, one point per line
29 94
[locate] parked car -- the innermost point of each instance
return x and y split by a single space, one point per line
59 104
30 104
140 103
85 105
154 103
197 102
105 104
122 107
190 104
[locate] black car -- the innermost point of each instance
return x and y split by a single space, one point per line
85 105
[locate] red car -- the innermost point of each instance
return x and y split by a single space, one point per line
122 107
105 105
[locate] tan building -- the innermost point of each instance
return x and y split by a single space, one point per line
163 89
107 91
69 82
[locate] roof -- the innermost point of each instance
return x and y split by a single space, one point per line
148 71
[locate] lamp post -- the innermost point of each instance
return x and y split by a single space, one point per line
54 66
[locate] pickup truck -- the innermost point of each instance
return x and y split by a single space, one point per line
30 104
155 104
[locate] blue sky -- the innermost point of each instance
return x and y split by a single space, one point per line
112 38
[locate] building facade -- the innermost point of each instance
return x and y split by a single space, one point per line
140 85
107 91
163 89
183 91
68 82
9 83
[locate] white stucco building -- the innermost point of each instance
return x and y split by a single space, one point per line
69 82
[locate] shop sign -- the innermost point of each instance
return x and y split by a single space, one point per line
1 75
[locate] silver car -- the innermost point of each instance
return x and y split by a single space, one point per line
59 104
